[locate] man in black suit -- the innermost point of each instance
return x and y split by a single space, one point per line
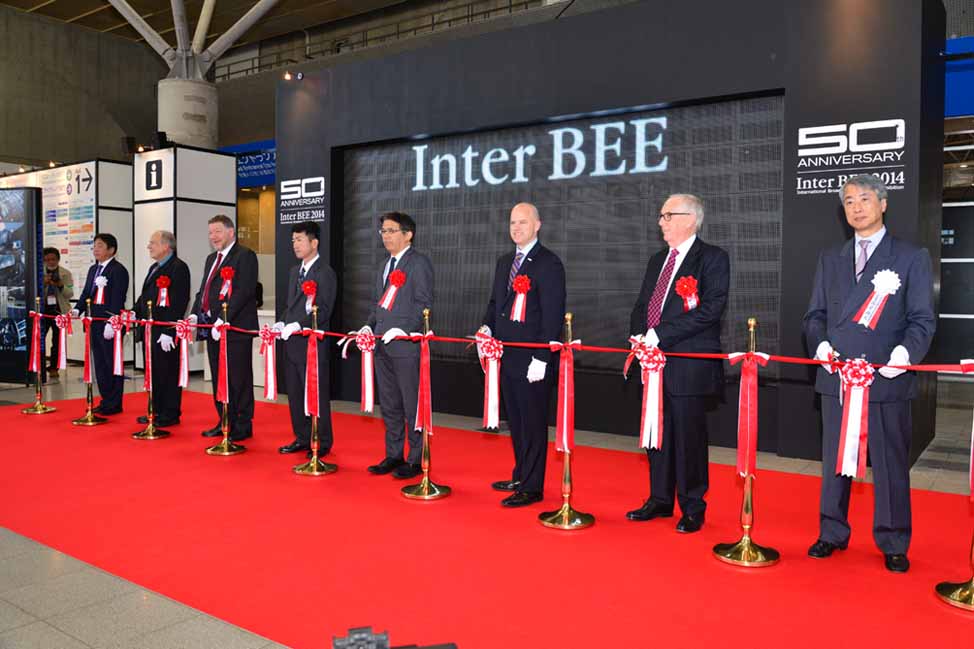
109 275
239 293
397 361
673 323
167 396
305 238
527 375
899 335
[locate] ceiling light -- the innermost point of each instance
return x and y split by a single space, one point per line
287 75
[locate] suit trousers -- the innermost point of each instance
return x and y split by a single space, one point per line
680 464
294 373
167 396
526 405
241 381
397 379
890 427
102 356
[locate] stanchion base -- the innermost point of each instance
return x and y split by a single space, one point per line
151 433
746 553
426 490
566 518
226 447
39 408
315 467
960 595
90 419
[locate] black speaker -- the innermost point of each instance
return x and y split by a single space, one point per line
160 141
128 145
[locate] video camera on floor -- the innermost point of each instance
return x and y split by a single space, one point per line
363 638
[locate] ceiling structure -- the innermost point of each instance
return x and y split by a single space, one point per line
287 15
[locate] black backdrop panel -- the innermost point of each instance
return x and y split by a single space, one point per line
604 227
19 266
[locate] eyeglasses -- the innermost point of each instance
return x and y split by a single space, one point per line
666 216
388 231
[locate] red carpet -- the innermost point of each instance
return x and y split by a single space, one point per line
299 560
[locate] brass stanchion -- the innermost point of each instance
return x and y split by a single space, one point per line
315 467
150 432
426 489
566 517
89 418
745 552
960 594
225 447
39 407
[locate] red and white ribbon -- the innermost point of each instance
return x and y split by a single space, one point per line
268 350
686 287
855 377
747 410
223 380
163 283
424 403
490 351
651 363
124 320
86 325
885 283
63 323
147 352
100 283
565 430
309 288
35 344
184 333
312 404
967 367
396 279
521 285
226 290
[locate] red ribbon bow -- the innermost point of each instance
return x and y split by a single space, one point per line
223 380
747 410
311 396
184 334
565 430
163 281
397 278
686 287
521 284
424 408
269 352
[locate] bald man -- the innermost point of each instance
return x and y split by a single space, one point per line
527 375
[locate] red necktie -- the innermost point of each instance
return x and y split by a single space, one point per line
659 293
209 280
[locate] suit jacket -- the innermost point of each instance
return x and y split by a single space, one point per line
411 298
296 347
907 318
544 313
115 291
242 302
696 330
178 295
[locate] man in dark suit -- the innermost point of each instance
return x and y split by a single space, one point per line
665 319
397 361
527 375
901 335
108 274
167 396
239 293
305 238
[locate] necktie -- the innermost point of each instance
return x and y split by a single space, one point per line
516 266
98 270
209 280
862 258
392 267
301 276
659 293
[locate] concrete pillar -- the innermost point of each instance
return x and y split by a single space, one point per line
188 112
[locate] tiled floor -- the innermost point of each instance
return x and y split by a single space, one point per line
49 600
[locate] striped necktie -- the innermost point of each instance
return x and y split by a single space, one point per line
516 266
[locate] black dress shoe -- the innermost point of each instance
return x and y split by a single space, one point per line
142 419
162 423
241 435
385 466
406 470
293 447
216 431
649 511
897 563
96 409
690 523
109 411
822 549
522 498
322 452
505 485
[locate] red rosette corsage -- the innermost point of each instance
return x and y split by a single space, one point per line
686 287
521 284
397 278
163 281
309 287
226 274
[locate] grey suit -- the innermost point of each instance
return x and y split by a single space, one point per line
397 364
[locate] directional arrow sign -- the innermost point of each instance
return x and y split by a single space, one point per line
87 179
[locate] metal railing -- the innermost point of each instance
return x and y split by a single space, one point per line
329 44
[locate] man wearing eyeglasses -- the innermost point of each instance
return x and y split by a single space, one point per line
403 288
688 323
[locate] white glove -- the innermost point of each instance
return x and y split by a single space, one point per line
74 313
392 333
278 327
650 338
536 370
289 330
484 329
824 353
165 341
215 331
109 332
899 356
366 329
192 319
